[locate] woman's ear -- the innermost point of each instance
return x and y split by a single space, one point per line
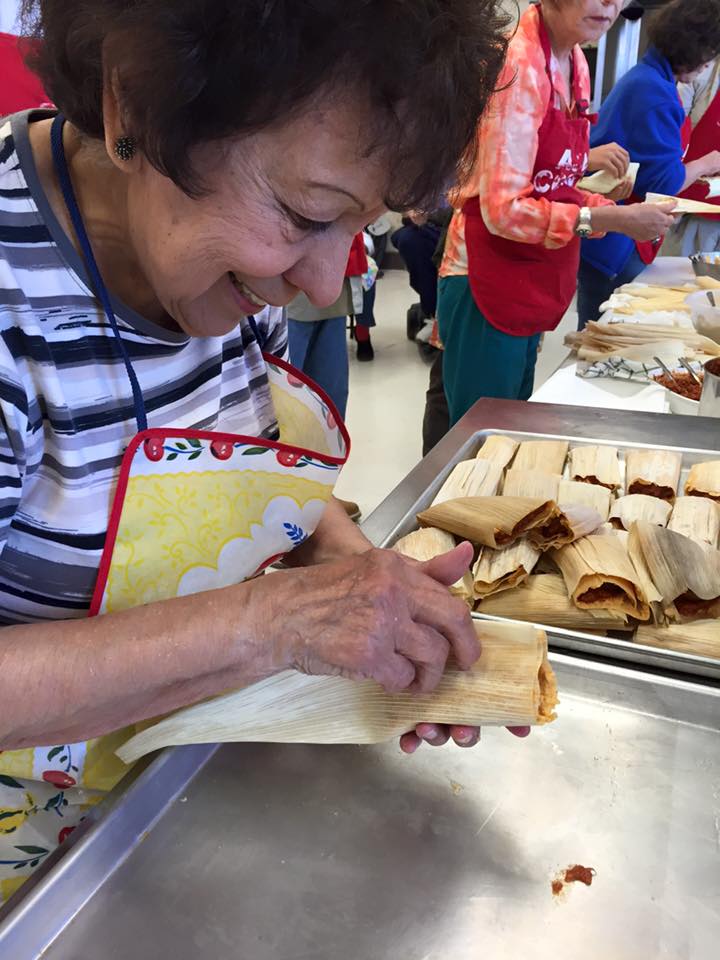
120 144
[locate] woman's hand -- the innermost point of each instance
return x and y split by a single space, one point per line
438 734
335 537
371 616
710 164
641 221
610 157
622 191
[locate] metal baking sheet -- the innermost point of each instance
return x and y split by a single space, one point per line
291 852
695 438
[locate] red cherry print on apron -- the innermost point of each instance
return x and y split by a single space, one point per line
294 381
287 458
330 420
221 449
59 779
64 834
153 449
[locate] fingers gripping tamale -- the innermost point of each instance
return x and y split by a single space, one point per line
512 684
428 543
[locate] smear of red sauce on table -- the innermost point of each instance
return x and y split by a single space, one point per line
574 874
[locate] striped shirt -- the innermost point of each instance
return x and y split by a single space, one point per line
66 409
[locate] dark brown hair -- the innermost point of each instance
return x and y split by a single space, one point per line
687 33
194 71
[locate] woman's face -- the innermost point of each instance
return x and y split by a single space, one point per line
585 21
283 209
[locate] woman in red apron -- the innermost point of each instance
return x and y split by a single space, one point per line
644 113
510 267
699 233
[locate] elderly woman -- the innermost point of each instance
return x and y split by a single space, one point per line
645 115
157 450
511 258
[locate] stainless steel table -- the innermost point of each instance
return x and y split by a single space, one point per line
321 853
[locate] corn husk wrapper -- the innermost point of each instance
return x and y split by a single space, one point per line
575 493
499 449
545 456
702 639
471 478
565 526
543 598
490 521
653 472
598 574
685 574
512 683
498 570
697 518
608 530
644 579
682 204
639 341
704 480
427 543
708 283
598 465
638 506
531 483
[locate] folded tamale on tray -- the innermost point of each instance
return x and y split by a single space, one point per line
498 570
491 521
704 480
512 684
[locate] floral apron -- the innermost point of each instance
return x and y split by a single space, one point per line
194 510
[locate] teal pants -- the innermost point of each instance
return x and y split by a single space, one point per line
479 360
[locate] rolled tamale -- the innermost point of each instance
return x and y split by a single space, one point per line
575 493
704 480
491 521
702 639
638 506
598 574
565 525
645 581
497 570
653 472
545 456
686 574
427 543
543 598
595 464
531 483
471 478
499 449
697 518
512 684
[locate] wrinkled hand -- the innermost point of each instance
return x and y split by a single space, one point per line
711 164
438 734
622 191
372 616
610 157
647 221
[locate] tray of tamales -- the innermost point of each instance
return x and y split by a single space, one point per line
613 549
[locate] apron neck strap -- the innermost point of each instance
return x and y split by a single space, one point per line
63 173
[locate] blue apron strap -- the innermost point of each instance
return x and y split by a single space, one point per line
252 323
61 168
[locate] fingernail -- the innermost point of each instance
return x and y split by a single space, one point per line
465 738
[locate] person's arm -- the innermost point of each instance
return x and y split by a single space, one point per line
654 142
507 154
336 536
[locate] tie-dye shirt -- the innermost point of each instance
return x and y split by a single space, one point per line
508 143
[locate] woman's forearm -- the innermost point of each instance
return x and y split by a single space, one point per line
693 171
75 679
336 536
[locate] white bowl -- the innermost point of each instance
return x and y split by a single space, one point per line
677 403
705 317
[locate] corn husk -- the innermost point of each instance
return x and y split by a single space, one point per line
512 683
645 581
638 506
708 283
697 518
682 204
685 574
574 493
531 483
498 570
491 521
544 599
639 341
702 639
598 465
704 480
653 472
471 478
427 543
499 449
598 574
545 456
565 525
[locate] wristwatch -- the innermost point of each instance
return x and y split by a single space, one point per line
584 228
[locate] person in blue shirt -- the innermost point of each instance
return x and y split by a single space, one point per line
644 114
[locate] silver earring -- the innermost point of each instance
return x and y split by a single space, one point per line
125 148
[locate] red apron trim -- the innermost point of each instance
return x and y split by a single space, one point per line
524 288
